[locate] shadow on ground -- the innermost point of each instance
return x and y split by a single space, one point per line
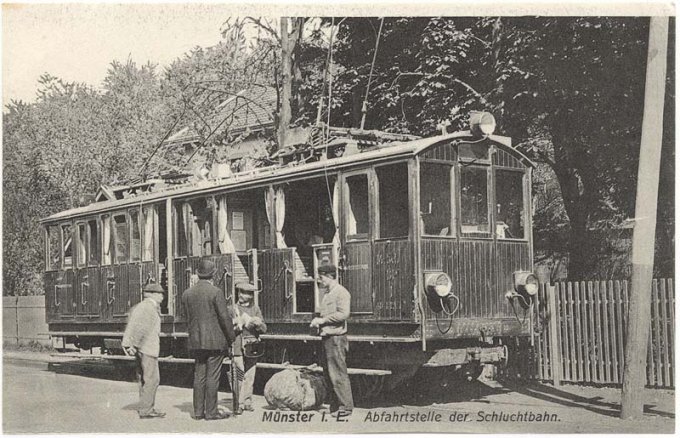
569 399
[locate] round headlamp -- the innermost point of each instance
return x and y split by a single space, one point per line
438 283
482 124
526 283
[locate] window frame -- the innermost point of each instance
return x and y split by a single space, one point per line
453 207
377 221
139 229
62 241
526 204
114 228
490 197
372 217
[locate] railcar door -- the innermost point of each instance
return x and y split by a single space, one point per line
277 275
356 252
60 279
88 303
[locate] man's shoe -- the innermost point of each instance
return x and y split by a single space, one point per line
248 408
218 417
152 414
198 417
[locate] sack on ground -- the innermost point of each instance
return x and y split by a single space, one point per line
295 390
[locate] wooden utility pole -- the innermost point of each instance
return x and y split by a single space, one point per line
639 312
286 83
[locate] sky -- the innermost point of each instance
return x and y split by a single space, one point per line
77 42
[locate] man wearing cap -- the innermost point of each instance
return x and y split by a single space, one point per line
211 332
332 326
249 325
142 340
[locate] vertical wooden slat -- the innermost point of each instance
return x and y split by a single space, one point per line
611 304
606 347
671 340
579 332
564 335
598 333
618 294
572 334
592 333
657 338
555 362
584 323
665 338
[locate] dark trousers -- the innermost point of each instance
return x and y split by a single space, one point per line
149 378
207 372
334 356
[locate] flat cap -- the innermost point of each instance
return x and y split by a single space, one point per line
246 287
328 268
153 288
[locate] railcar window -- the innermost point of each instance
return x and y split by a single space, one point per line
94 244
107 240
201 227
67 240
435 199
53 248
147 247
473 151
135 237
393 200
181 232
357 214
509 204
82 245
474 200
120 236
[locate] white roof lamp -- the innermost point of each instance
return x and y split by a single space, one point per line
482 123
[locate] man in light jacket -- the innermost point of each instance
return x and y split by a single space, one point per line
332 325
142 340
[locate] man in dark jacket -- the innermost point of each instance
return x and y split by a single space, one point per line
211 332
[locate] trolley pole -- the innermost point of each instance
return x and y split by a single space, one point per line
639 312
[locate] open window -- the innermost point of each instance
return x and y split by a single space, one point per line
107 240
82 244
393 200
474 200
435 199
509 204
67 245
94 244
148 218
53 249
135 236
201 216
181 230
120 238
356 207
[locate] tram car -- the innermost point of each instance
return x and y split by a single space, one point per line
431 236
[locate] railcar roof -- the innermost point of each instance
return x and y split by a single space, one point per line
277 173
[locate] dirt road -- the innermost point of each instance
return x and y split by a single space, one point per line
41 400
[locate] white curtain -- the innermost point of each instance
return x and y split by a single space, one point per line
336 212
225 243
147 249
268 207
351 220
280 204
106 235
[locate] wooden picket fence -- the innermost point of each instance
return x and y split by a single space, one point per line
583 333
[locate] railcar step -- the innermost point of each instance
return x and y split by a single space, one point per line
127 358
364 371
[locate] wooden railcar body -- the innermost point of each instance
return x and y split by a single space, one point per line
386 216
